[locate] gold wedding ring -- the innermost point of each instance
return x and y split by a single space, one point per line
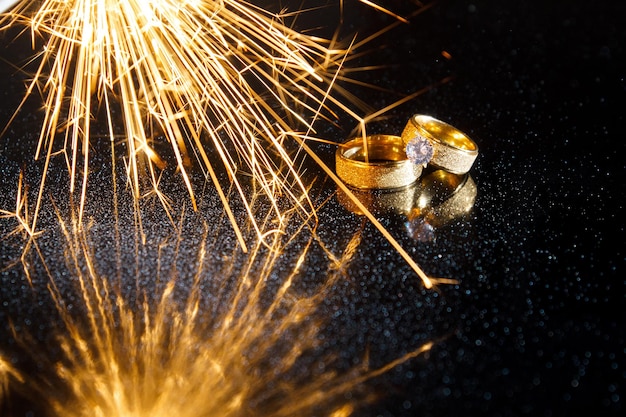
378 162
452 149
398 201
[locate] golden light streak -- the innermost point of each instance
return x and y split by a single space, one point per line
21 213
214 78
8 374
384 10
22 216
219 81
235 345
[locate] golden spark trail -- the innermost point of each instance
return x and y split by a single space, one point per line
7 373
232 346
229 88
221 85
214 79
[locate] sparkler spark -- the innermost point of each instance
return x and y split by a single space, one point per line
221 82
7 373
235 343
21 213
211 78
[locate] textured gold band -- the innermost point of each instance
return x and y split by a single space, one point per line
378 162
381 202
453 150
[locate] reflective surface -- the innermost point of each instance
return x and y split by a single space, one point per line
535 323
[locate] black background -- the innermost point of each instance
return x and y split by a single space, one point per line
536 324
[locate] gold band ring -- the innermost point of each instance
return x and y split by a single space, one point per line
378 162
398 201
431 141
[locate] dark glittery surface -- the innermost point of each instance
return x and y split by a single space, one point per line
535 325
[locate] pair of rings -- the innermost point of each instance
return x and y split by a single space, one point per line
389 161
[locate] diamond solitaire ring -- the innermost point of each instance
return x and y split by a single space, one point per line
430 141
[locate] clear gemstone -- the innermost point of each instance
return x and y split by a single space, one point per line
419 150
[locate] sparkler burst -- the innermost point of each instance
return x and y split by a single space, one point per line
208 78
240 342
182 84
